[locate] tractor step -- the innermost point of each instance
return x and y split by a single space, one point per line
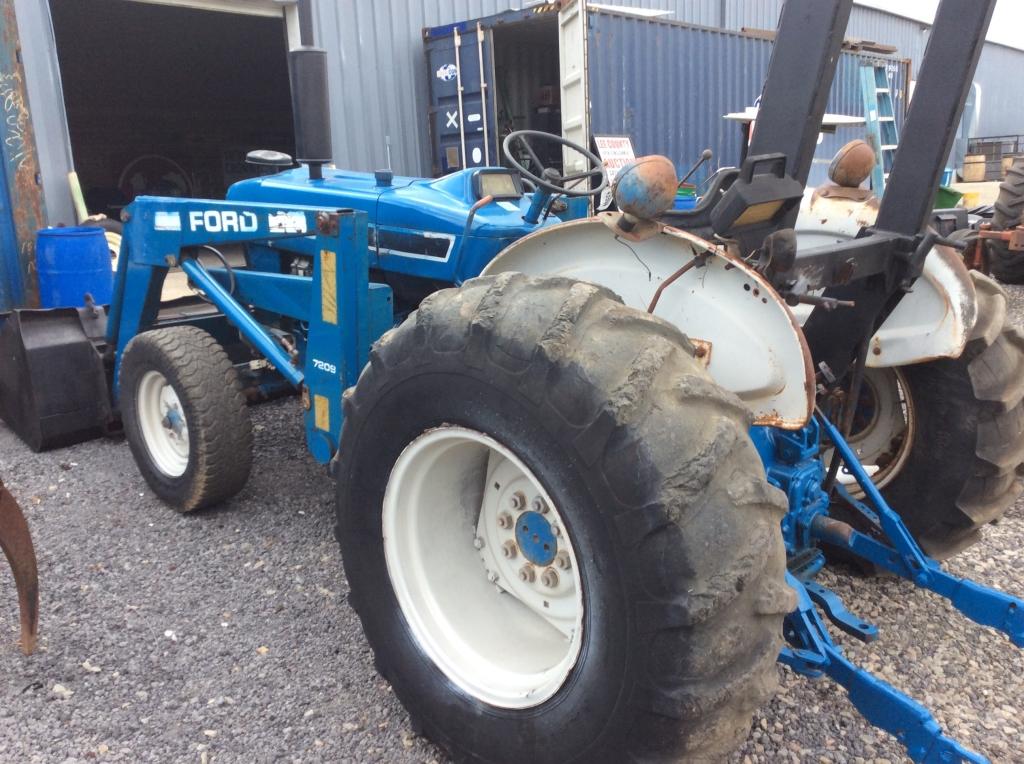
53 384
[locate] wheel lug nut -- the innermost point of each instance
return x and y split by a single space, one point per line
492 576
509 549
556 530
478 543
527 574
539 505
562 560
505 521
518 501
549 578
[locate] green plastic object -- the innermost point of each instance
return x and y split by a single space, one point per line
946 197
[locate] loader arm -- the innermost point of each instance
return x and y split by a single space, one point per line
874 270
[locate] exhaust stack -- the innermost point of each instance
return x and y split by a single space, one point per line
307 68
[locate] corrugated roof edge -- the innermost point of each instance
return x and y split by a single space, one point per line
551 8
505 17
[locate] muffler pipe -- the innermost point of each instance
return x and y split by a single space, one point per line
311 111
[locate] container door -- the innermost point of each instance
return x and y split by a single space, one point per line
572 64
461 103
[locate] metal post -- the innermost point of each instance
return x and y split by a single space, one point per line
305 22
22 211
458 90
800 74
483 90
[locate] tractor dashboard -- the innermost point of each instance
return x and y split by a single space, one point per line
500 184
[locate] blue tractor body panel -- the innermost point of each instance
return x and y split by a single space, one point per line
417 227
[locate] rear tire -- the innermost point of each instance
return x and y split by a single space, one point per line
185 417
1005 265
968 442
660 494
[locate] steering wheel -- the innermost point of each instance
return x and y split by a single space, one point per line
549 179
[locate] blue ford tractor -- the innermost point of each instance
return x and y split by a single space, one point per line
587 467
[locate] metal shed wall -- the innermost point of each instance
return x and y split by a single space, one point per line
379 77
378 72
1002 107
667 85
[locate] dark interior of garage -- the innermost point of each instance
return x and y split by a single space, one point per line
526 82
167 100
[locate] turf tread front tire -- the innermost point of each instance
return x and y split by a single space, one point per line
692 526
968 405
220 430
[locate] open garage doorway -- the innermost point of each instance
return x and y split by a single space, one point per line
166 100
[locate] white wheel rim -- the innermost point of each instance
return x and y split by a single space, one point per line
884 443
163 424
114 245
505 641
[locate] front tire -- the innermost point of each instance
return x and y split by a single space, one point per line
672 595
950 458
185 417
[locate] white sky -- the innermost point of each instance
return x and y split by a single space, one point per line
1007 21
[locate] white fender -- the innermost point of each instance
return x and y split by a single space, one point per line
744 332
932 321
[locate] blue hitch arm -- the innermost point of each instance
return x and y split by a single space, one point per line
243 320
813 653
981 604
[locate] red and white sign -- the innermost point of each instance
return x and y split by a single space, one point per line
616 151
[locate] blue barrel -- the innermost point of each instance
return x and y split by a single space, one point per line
71 262
684 202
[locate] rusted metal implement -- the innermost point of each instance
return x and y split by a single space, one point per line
19 168
16 541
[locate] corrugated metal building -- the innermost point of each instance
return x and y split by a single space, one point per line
379 78
380 43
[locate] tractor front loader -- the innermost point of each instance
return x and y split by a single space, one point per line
586 466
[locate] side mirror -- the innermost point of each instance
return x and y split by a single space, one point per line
268 158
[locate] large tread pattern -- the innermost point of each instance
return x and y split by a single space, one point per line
219 425
700 525
996 369
994 365
1005 265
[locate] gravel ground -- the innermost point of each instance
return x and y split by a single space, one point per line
226 636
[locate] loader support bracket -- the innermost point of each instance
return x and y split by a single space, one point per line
16 542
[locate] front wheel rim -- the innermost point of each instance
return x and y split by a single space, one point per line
483 568
163 424
885 440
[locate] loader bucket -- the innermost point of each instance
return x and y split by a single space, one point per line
17 545
53 387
